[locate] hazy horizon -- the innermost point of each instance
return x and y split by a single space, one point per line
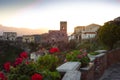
47 14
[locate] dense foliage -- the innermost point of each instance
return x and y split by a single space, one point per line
8 51
22 69
109 33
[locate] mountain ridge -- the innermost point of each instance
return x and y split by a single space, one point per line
21 31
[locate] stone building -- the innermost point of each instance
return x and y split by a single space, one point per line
79 29
92 28
45 38
28 38
31 38
88 35
90 31
56 36
85 32
11 36
77 32
19 39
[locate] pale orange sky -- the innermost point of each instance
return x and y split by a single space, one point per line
47 14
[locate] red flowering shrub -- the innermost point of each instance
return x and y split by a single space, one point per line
27 62
24 55
54 50
7 66
37 76
77 55
2 76
18 61
23 69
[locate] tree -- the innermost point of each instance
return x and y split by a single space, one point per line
109 33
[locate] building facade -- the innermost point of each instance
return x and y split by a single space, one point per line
27 39
31 38
85 32
56 36
79 29
63 26
77 32
37 38
11 36
19 39
45 38
88 35
92 28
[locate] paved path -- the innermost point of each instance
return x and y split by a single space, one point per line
112 73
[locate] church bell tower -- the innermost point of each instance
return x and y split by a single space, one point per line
63 26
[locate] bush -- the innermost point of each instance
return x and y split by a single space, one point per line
80 56
43 69
48 62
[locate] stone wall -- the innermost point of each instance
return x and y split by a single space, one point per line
113 57
87 73
100 66
101 63
97 67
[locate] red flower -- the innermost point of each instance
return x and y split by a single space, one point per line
84 54
18 61
37 76
53 50
23 55
7 66
2 76
26 62
79 56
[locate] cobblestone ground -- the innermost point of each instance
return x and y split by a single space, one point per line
112 73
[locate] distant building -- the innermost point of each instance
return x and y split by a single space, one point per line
88 35
11 36
45 38
71 37
79 29
92 28
28 38
31 38
56 36
37 38
19 39
90 31
77 32
85 32
63 26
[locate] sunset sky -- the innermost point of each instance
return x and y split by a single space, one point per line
47 14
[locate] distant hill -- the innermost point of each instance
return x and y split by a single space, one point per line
21 31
